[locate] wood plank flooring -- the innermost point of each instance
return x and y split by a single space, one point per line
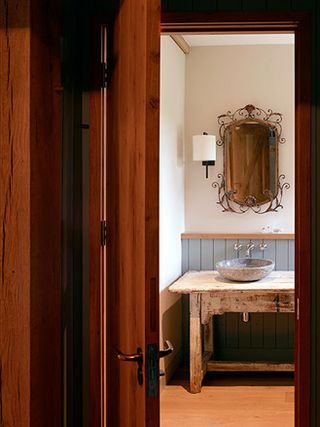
230 402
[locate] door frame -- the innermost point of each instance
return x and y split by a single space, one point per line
299 23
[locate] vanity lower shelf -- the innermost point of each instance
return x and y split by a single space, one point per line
228 366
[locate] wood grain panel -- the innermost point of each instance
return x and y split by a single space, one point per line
254 4
30 214
96 386
45 149
204 5
128 299
303 5
278 5
179 5
164 5
126 210
229 5
15 214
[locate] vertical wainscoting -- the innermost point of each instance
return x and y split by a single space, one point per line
267 336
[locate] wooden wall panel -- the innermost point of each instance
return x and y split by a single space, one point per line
315 156
303 4
15 269
30 214
204 5
278 5
254 4
179 5
229 4
45 194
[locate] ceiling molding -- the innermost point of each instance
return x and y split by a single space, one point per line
181 42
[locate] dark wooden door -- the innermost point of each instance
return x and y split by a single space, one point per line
125 194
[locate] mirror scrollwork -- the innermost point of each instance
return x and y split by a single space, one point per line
250 138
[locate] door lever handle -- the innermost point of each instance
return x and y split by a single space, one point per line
167 350
136 357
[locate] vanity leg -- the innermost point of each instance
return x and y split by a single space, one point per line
207 345
208 337
196 373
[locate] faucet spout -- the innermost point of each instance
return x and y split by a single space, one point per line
250 246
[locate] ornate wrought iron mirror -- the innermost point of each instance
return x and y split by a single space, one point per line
250 138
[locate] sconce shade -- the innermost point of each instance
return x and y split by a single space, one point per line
204 147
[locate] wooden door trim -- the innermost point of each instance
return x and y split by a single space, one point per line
30 214
96 407
299 23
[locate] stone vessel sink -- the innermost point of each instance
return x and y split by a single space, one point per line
245 269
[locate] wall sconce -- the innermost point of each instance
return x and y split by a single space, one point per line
204 149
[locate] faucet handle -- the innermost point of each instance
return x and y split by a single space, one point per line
263 246
237 247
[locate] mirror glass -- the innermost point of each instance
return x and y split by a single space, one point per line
251 161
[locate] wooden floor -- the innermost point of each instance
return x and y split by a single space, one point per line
230 401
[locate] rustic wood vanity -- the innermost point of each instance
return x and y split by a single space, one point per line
211 295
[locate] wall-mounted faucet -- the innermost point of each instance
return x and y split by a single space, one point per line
262 246
250 246
237 247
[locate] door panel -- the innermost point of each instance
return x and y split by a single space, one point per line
125 146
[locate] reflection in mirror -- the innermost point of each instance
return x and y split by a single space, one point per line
250 137
250 160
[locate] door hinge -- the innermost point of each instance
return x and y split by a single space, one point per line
103 226
104 75
298 308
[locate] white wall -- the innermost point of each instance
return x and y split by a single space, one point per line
172 104
222 78
172 208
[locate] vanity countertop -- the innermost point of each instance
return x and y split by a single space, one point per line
211 281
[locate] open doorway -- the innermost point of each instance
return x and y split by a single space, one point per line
248 357
124 341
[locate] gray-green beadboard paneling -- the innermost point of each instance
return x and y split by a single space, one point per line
267 336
